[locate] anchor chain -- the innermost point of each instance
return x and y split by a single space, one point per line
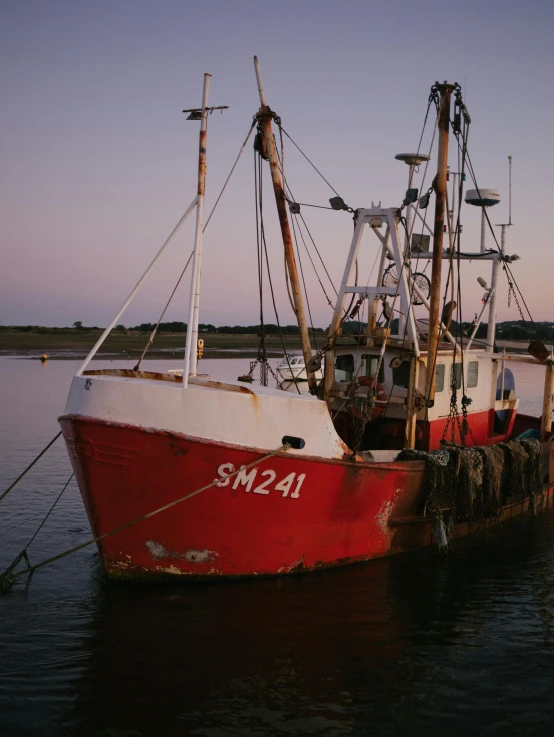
455 421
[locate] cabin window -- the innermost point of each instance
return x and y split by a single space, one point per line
344 367
472 374
401 375
456 376
439 378
369 367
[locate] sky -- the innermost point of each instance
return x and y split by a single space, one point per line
99 163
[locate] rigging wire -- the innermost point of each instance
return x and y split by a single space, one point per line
23 555
230 174
50 511
454 420
318 253
287 188
505 265
329 302
259 253
258 180
153 333
304 283
309 162
18 479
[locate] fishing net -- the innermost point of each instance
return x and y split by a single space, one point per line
475 483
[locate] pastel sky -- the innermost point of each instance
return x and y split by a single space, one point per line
98 162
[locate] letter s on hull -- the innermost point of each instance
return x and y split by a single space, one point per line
223 471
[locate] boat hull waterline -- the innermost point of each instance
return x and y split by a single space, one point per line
287 514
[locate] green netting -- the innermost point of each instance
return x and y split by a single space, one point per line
475 483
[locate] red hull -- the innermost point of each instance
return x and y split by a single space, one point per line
290 513
338 515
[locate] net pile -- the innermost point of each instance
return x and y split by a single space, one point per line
475 483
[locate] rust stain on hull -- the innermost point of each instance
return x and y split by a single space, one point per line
160 552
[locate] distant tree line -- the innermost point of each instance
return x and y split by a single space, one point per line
514 330
181 327
508 330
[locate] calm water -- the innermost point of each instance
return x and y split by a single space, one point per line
415 645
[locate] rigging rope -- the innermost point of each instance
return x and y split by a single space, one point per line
262 244
21 475
329 302
262 353
299 214
453 421
304 283
153 334
309 162
23 555
318 253
505 265
8 577
230 174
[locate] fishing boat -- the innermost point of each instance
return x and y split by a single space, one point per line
291 370
411 437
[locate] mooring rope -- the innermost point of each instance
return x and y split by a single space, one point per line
7 578
23 554
18 479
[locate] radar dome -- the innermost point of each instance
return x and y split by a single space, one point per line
482 197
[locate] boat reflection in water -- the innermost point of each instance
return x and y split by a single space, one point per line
362 650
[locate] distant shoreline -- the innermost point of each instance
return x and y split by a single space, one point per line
76 344
79 355
73 344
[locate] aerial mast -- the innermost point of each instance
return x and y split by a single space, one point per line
445 92
201 114
264 116
194 302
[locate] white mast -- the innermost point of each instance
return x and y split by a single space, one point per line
413 161
194 302
491 330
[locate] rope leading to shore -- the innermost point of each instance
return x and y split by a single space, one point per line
23 555
9 576
18 479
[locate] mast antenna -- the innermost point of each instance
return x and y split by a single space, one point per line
510 190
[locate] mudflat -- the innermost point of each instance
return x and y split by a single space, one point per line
71 343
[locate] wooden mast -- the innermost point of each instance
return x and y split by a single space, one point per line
439 185
264 116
